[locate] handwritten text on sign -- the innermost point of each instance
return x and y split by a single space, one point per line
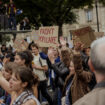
48 36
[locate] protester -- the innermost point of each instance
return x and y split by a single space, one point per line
3 49
24 58
39 67
61 70
25 24
10 49
20 87
5 11
9 57
3 16
85 54
12 15
76 85
96 64
62 65
5 98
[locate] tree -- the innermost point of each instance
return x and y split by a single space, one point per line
102 1
51 12
4 39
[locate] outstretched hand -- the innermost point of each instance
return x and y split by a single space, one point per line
51 55
62 41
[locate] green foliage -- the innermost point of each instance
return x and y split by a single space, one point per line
4 39
50 12
102 1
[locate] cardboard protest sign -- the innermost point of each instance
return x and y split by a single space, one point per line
47 36
34 35
84 35
20 44
98 34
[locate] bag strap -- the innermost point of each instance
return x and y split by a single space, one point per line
22 98
40 61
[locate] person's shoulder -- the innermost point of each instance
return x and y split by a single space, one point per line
83 100
42 59
91 97
30 102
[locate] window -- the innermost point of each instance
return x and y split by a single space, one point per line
89 15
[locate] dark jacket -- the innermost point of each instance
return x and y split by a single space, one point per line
61 73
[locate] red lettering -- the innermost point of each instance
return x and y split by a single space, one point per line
48 39
41 31
47 31
54 40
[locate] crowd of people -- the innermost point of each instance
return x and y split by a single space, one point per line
72 73
8 13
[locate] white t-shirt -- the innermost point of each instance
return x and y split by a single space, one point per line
39 73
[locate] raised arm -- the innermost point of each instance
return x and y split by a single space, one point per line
4 84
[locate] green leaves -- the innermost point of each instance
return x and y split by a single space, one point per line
50 12
102 1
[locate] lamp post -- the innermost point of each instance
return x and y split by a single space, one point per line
96 1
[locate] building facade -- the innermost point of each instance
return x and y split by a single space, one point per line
87 17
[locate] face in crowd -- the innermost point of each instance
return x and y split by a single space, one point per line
7 74
18 60
87 51
71 68
22 79
16 83
56 53
7 70
35 49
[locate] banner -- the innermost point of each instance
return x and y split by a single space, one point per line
84 35
46 36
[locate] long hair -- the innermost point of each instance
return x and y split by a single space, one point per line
66 57
25 74
77 61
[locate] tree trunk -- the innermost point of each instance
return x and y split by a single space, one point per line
60 33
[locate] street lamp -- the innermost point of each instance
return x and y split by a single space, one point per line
96 1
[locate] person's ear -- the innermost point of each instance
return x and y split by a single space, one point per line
24 84
23 61
91 65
